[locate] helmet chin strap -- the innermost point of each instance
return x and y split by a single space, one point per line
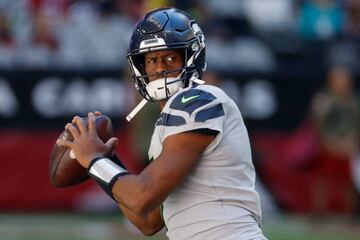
136 110
196 80
157 90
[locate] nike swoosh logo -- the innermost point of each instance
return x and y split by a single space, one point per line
185 99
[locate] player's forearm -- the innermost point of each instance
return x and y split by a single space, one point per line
148 224
145 192
138 193
141 193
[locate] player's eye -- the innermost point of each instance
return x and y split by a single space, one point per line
171 58
151 60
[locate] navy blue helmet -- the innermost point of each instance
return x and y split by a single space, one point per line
167 28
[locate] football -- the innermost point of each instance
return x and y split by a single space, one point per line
64 170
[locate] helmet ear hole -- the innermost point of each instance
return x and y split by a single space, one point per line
200 64
139 62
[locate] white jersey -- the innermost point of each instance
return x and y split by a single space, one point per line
217 200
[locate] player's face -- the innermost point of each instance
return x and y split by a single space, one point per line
158 62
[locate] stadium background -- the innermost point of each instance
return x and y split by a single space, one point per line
61 57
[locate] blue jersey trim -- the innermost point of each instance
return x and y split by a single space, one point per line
191 100
210 113
170 120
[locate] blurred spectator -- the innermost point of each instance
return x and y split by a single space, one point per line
232 47
7 42
42 34
321 19
41 46
54 8
14 23
352 26
344 52
53 11
82 45
228 8
74 42
132 9
6 37
268 16
242 54
225 19
336 114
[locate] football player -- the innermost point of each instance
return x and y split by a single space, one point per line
200 183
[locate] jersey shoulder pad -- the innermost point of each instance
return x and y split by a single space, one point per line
191 100
201 105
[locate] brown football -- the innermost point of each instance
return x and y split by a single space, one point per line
66 171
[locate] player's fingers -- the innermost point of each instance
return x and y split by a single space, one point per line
73 130
73 121
80 124
64 143
111 143
98 113
91 122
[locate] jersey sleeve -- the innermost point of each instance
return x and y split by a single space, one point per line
194 109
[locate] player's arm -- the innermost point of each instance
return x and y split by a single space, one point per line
145 192
148 224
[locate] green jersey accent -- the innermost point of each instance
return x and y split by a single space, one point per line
186 99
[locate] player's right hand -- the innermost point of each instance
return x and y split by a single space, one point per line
86 144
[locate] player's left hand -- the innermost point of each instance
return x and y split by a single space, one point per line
86 144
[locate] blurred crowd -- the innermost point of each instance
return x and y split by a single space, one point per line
335 114
246 35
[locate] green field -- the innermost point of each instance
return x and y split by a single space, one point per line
111 227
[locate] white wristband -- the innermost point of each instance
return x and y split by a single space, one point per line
105 170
